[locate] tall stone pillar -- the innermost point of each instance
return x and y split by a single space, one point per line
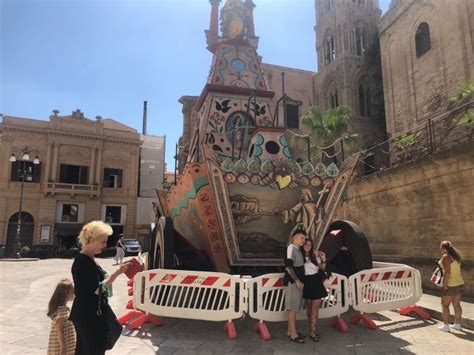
54 175
98 168
47 166
92 167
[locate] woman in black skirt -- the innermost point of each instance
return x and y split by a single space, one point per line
313 290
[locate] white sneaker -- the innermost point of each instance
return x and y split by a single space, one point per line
444 328
456 326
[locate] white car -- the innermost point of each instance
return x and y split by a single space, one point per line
132 246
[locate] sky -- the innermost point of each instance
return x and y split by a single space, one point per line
105 57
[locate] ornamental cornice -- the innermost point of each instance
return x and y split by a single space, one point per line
50 132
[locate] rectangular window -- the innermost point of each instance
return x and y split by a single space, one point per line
113 214
113 178
292 116
69 213
73 174
25 169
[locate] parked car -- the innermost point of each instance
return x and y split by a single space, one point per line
132 246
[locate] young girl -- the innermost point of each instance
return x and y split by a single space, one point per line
62 338
120 250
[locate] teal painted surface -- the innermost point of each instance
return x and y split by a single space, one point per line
190 194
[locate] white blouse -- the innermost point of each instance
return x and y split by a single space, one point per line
309 267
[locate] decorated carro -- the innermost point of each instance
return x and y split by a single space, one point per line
243 189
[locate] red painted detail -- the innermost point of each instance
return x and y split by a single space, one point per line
340 324
261 329
130 305
226 284
386 275
188 280
409 274
334 282
214 236
260 83
130 291
230 330
362 277
204 197
130 282
374 276
211 223
209 281
129 315
399 274
279 282
151 276
168 278
369 323
264 280
137 323
217 79
415 310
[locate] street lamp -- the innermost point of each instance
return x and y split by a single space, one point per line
22 171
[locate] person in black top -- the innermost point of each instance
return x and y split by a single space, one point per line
88 277
294 274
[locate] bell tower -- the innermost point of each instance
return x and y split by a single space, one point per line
344 29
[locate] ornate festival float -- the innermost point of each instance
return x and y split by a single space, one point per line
244 187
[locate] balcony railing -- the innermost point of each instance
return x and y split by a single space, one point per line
72 189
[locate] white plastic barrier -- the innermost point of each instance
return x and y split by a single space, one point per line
190 294
385 288
267 298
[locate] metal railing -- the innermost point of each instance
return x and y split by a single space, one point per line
436 134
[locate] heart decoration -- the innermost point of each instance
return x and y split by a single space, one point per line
283 181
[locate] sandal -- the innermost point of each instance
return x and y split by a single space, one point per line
299 335
298 339
315 337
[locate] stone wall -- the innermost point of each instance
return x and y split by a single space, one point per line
407 211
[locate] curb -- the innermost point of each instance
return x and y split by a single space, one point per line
13 260
436 314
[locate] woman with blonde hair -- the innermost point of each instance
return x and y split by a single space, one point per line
92 287
453 285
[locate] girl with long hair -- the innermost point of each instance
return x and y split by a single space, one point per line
313 290
62 338
453 285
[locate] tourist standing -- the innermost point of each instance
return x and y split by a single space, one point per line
453 285
294 274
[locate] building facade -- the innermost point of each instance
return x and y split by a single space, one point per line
88 171
427 54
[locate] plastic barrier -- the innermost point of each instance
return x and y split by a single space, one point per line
190 294
385 288
267 301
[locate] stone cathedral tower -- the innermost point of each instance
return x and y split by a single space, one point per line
343 31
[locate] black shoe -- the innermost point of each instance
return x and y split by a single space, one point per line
315 337
298 339
299 334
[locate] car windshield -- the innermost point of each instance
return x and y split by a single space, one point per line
131 241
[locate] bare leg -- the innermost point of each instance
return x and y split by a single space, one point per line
315 305
457 308
292 324
445 302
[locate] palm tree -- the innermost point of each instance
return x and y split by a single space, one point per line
325 130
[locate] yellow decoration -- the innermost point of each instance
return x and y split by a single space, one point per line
283 181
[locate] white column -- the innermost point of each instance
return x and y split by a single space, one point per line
92 168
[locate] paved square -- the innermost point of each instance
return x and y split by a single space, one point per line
25 288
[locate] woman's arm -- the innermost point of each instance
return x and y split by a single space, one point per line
446 261
110 280
322 257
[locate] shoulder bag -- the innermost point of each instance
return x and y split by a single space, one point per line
437 277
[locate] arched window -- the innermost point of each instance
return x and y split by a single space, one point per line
360 41
422 39
364 100
333 98
330 49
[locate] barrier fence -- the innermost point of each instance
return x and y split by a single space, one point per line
216 296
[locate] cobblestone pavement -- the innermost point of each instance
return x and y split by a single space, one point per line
25 288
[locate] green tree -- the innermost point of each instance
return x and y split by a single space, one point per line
325 129
464 96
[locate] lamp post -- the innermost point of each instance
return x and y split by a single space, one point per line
22 172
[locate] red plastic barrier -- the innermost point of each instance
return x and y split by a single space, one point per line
130 283
130 291
130 305
369 323
230 330
340 324
129 315
261 329
415 310
138 322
